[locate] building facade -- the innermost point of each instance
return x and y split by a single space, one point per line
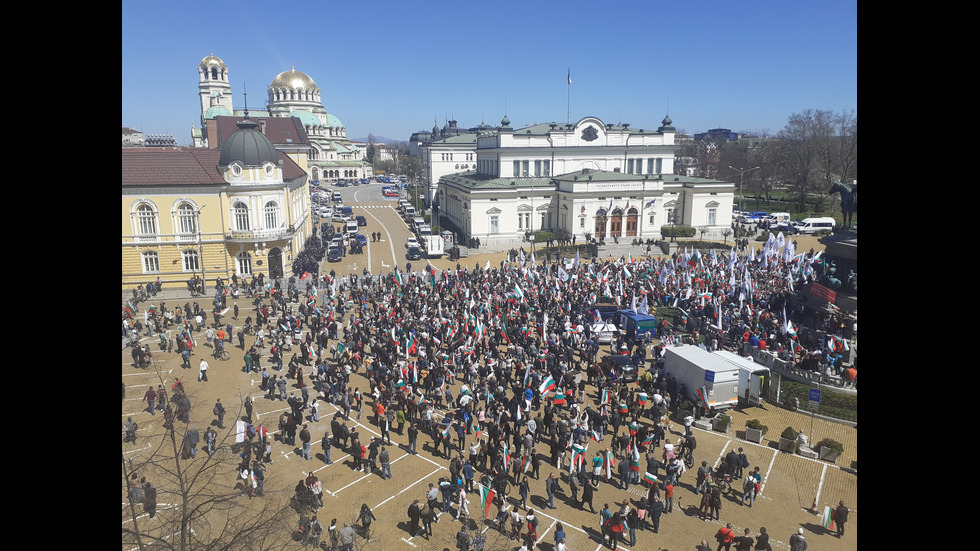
240 210
587 179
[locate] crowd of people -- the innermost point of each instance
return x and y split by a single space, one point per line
493 364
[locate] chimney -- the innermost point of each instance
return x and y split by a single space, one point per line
262 125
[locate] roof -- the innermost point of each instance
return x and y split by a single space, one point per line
475 181
279 130
157 166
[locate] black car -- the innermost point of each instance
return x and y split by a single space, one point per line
361 221
624 367
334 254
785 227
413 253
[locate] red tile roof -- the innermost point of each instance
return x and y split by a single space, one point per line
154 166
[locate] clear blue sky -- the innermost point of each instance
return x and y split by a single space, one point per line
393 68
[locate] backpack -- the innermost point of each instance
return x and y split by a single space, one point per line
743 461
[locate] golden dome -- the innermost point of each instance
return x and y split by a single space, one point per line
212 61
293 80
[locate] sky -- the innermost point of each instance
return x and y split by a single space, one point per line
393 68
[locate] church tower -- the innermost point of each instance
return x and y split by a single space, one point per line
215 90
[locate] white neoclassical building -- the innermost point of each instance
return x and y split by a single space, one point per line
587 177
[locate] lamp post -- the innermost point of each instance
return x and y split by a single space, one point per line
741 182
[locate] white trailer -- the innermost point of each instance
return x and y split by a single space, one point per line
753 378
708 378
435 246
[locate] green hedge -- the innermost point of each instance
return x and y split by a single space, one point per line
832 404
677 231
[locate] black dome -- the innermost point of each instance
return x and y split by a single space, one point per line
249 146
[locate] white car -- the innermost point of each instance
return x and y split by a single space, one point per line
412 242
603 332
337 217
326 212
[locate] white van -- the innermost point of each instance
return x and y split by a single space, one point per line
337 198
351 227
409 212
417 222
777 217
813 225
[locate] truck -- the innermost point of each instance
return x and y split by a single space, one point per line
709 379
435 246
634 324
753 378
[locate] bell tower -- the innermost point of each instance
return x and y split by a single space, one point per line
214 88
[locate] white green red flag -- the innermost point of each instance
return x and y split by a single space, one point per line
486 499
547 385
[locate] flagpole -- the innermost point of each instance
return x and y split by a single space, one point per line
568 100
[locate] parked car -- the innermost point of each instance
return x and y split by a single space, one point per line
337 217
334 254
625 369
412 242
361 221
361 238
391 193
603 332
786 227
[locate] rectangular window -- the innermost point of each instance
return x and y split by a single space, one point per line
517 169
191 261
660 166
151 262
712 215
494 228
581 222
629 166
537 168
520 221
547 168
527 168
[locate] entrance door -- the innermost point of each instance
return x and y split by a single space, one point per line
631 219
275 262
600 225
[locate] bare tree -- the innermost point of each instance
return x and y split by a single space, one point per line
206 505
804 139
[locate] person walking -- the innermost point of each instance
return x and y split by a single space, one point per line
588 491
346 535
366 517
203 375
551 486
151 399
219 412
150 499
840 517
210 439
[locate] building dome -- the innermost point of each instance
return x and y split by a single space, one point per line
213 61
332 120
248 146
294 80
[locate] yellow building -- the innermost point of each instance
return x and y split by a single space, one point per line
242 209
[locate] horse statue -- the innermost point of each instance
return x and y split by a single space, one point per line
848 200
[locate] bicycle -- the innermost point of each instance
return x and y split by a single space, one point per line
221 354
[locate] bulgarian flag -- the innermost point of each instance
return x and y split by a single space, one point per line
486 499
647 441
635 460
623 408
412 347
547 385
642 399
649 478
445 433
595 436
827 520
610 460
578 455
399 278
400 383
559 397
633 427
225 311
129 311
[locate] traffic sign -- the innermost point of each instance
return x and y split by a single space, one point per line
814 398
709 376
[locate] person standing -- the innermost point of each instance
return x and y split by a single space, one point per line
304 436
743 462
744 543
150 499
588 491
189 444
325 443
656 510
346 535
762 540
551 486
383 457
840 517
428 516
151 399
203 376
668 496
413 437
210 439
248 408
725 537
523 491
219 412
632 523
797 542
414 516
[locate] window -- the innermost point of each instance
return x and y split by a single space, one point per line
186 218
537 168
526 168
517 168
244 261
494 224
240 216
151 262
712 216
629 166
546 165
191 260
651 219
271 215
660 166
581 222
147 220
650 164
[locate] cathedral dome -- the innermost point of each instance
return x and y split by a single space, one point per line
249 146
294 80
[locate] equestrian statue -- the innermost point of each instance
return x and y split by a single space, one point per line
848 200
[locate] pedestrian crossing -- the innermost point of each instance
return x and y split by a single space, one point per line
372 206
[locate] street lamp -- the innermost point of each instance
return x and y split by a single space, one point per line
741 175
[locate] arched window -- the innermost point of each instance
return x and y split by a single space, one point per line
214 73
186 219
191 260
151 262
241 216
244 262
271 215
147 220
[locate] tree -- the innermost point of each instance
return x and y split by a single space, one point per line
206 510
804 143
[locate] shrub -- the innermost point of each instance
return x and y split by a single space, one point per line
722 422
755 424
677 231
832 444
789 434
